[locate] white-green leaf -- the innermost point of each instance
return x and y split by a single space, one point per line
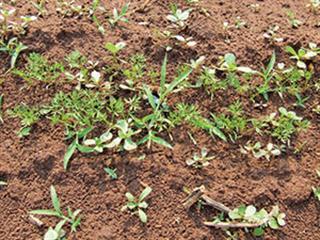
145 193
51 234
129 144
70 150
143 216
55 199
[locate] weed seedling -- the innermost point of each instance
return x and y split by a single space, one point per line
72 217
27 115
177 16
314 5
295 23
119 16
112 173
13 48
271 150
303 54
39 69
138 205
40 5
248 215
272 34
1 111
200 161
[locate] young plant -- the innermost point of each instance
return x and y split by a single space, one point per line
71 217
228 63
295 23
177 16
13 48
248 216
267 75
314 5
119 16
1 111
303 54
125 134
39 69
316 191
40 5
271 150
286 124
114 49
27 115
112 173
272 34
138 205
200 161
186 41
3 183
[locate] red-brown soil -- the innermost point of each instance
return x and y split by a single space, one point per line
30 165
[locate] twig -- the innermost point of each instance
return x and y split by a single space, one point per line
234 225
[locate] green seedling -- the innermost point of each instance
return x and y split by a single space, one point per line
239 23
186 41
233 123
1 106
8 26
112 173
138 205
27 115
287 124
125 134
228 63
3 183
316 191
271 150
75 145
119 16
40 5
295 23
69 8
71 217
303 54
13 48
272 34
250 217
39 69
314 5
177 16
267 75
200 161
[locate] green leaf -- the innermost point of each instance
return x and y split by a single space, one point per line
46 212
51 234
129 144
145 193
143 216
84 132
271 63
111 48
250 211
163 75
150 96
290 50
177 81
85 149
111 172
273 223
130 197
55 199
161 141
70 150
258 232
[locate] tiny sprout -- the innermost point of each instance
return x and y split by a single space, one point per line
13 48
137 205
272 35
72 217
178 16
295 23
112 173
187 41
258 151
303 54
114 49
119 16
200 161
314 5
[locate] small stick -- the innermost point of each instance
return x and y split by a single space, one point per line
193 197
234 225
217 205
